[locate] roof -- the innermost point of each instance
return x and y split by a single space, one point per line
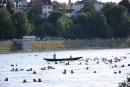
82 2
56 5
111 3
46 2
37 4
79 2
69 11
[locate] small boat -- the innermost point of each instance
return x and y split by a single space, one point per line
63 59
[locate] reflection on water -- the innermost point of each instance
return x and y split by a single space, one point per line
104 76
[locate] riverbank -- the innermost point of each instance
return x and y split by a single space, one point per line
79 44
8 46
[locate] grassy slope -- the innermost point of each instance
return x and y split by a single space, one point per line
7 46
79 44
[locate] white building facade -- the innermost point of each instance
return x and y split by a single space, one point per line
46 8
77 6
98 5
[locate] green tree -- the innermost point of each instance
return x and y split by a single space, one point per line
37 22
69 34
92 22
6 27
82 21
125 3
60 28
40 31
9 7
106 8
125 83
45 29
96 25
117 19
63 24
22 25
48 27
64 6
77 31
31 15
88 6
124 31
53 17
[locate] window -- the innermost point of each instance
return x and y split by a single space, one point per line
44 7
44 11
49 7
49 12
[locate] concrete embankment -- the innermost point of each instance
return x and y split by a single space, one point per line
8 46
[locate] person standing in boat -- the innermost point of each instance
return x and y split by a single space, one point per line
54 56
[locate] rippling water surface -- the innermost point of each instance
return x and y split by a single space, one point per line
104 76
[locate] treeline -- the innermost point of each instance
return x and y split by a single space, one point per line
111 21
13 24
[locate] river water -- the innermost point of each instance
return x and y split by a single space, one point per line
104 76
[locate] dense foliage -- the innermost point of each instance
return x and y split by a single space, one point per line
112 21
13 24
118 20
125 3
125 83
